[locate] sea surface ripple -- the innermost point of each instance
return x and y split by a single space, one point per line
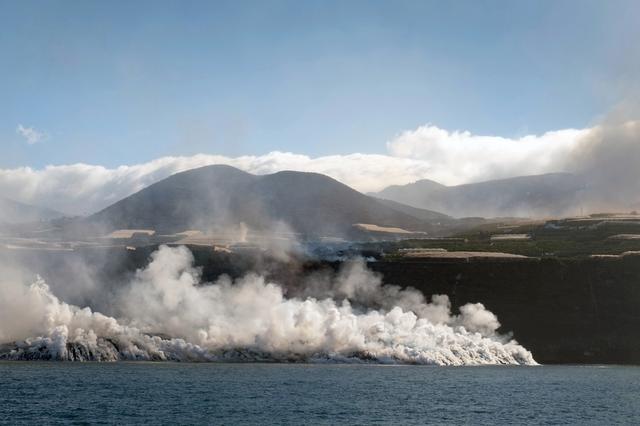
292 394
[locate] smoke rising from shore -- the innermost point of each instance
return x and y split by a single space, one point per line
609 159
167 314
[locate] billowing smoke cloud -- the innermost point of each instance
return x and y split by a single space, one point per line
609 159
167 314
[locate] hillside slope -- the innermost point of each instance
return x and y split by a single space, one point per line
219 197
533 196
14 212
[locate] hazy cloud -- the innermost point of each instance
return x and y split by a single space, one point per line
426 152
609 159
461 157
30 135
83 188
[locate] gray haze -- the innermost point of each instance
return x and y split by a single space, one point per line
13 212
544 195
603 174
609 159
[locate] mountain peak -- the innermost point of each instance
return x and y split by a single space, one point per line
219 197
537 195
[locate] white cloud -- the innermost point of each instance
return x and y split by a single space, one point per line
460 157
427 152
83 188
30 135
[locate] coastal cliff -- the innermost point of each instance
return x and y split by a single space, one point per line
564 311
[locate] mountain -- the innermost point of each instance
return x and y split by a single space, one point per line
422 214
220 197
14 212
532 196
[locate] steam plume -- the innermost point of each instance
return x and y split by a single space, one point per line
608 158
251 319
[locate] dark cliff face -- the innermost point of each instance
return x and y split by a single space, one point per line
577 311
564 311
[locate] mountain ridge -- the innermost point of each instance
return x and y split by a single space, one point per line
16 212
219 196
548 194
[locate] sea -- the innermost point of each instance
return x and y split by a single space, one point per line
35 393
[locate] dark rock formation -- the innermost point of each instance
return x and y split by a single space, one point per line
563 311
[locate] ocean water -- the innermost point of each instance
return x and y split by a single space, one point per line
176 393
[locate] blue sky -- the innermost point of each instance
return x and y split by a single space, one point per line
115 83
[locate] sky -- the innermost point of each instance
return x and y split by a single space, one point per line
113 83
99 99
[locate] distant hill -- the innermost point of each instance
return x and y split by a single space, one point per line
218 197
531 196
422 214
14 212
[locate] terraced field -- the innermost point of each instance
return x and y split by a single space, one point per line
565 238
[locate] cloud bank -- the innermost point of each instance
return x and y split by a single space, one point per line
81 188
461 157
428 152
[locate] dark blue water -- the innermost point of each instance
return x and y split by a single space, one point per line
170 393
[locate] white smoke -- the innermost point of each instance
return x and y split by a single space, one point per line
250 319
609 159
